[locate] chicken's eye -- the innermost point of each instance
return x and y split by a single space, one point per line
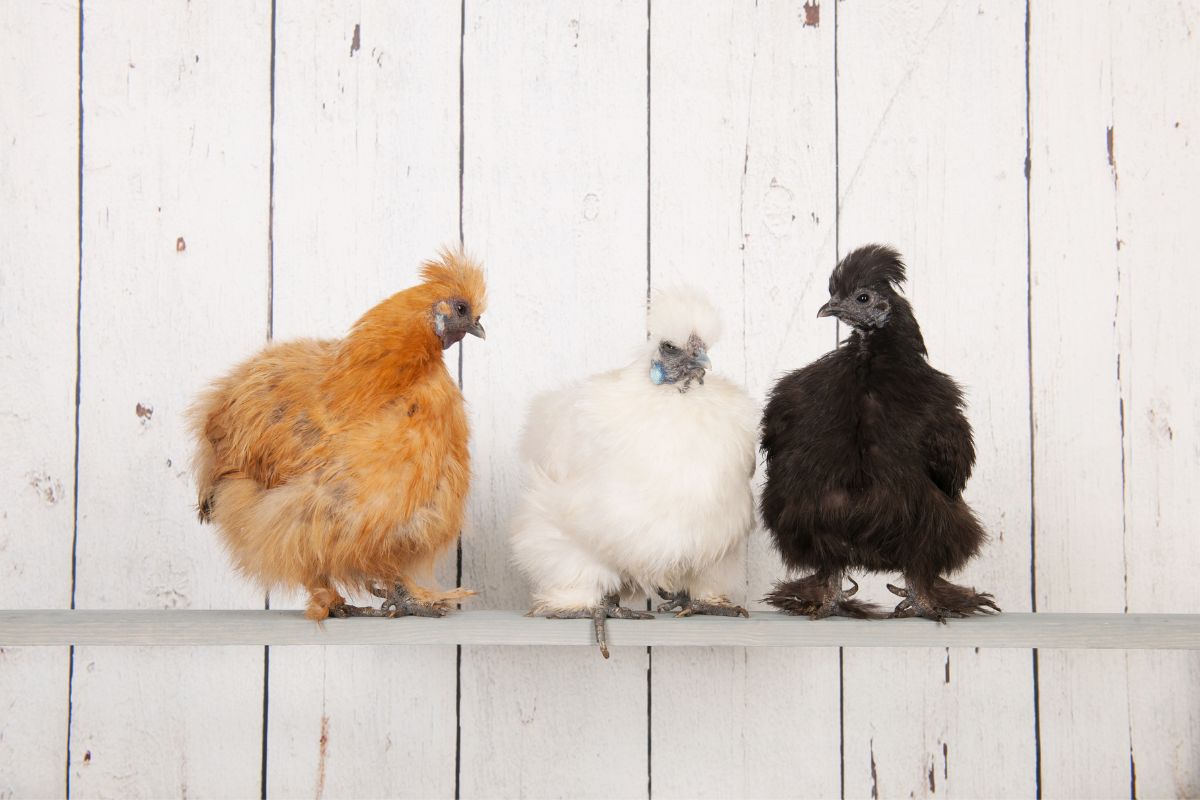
461 308
862 298
667 347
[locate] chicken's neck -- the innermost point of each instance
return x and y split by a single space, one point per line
899 340
373 368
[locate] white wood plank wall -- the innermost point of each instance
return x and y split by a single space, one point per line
39 259
175 182
178 185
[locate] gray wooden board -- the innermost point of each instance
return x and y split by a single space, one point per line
187 627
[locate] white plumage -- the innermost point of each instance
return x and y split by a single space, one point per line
638 486
677 313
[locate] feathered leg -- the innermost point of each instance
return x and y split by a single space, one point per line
420 575
821 595
324 601
704 592
953 534
938 599
567 576
610 607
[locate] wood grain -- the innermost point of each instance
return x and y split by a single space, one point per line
554 200
366 188
1156 167
39 260
176 145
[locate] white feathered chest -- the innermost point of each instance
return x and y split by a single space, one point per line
654 481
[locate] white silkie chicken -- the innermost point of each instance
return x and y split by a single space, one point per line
639 480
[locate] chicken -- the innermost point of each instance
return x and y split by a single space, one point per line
639 480
342 464
867 455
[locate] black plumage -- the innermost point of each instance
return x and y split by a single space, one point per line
867 455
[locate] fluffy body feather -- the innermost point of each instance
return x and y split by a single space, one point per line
867 455
634 485
340 464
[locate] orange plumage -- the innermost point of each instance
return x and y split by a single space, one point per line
343 464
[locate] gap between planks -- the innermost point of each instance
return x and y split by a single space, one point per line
766 629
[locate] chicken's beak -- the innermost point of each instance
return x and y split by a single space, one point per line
830 309
701 361
476 329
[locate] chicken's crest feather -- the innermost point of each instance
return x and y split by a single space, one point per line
678 312
456 274
867 266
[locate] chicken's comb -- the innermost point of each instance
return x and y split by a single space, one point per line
457 274
867 266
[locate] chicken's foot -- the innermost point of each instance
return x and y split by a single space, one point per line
685 606
400 603
940 601
610 607
819 596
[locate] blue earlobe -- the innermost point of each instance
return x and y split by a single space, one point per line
439 324
657 375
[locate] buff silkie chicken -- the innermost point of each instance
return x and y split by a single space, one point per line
343 464
639 480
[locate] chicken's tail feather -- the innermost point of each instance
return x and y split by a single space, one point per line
204 506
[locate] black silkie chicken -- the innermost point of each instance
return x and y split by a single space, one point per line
867 454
